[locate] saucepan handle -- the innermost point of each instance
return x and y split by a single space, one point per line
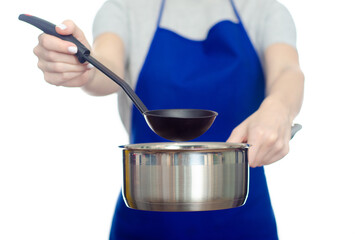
295 128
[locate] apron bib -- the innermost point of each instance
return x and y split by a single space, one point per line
221 73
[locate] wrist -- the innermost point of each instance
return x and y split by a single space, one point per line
88 85
277 106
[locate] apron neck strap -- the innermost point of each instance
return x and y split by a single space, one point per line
235 11
162 5
160 12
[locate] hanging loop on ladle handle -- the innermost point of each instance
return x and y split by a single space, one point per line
83 55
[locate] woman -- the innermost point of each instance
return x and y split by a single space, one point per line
236 57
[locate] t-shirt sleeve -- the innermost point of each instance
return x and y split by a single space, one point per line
278 26
112 17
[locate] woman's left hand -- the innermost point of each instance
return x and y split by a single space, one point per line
268 131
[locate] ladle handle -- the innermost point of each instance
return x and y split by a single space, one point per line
124 85
83 55
49 28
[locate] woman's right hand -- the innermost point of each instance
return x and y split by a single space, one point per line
57 60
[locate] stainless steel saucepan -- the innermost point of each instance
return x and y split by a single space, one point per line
186 176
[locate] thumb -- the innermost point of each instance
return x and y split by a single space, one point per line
239 134
69 27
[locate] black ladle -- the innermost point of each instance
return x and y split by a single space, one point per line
171 124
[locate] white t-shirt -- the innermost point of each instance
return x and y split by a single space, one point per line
135 21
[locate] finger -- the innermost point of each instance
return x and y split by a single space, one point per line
279 150
259 157
53 56
239 134
260 141
252 153
78 81
265 146
58 67
52 43
69 27
274 145
63 79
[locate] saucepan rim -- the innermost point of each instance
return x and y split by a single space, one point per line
185 146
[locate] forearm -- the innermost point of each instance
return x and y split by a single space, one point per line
99 84
286 91
284 80
268 129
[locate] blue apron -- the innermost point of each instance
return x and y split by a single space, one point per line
221 73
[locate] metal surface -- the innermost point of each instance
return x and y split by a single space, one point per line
185 176
295 128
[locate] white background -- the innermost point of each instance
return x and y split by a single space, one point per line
60 168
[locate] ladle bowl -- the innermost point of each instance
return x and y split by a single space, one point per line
171 124
180 124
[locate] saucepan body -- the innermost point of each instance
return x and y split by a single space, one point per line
185 176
